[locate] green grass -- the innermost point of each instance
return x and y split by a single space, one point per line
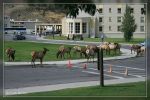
24 49
128 89
118 40
57 37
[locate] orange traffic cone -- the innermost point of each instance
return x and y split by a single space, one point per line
110 69
84 66
126 72
69 64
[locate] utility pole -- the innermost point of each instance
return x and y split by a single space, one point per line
100 66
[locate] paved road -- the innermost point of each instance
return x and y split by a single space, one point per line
29 37
24 76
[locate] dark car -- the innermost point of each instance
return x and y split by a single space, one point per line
19 37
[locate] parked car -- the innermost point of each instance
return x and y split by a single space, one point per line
142 44
19 37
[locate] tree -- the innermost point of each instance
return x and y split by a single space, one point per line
128 25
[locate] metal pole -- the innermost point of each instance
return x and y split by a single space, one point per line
98 60
101 68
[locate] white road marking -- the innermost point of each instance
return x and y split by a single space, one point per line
104 74
112 71
124 73
126 67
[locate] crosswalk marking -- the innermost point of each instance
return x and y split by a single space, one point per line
104 74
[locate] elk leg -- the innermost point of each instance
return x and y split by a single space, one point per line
33 62
13 57
41 60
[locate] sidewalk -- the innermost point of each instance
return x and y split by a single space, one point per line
66 86
73 42
126 54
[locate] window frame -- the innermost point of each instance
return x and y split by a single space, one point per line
84 27
77 27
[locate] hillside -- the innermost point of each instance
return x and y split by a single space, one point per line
25 12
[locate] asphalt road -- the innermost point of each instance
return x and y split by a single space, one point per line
25 76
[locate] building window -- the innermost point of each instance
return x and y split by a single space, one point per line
70 27
110 28
119 10
132 10
142 19
100 28
100 19
84 27
5 25
100 10
110 19
77 27
142 28
109 10
118 19
142 10
119 28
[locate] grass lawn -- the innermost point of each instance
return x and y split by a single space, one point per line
24 49
128 89
118 40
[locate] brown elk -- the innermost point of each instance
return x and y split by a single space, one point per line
115 47
80 50
141 51
62 50
105 47
10 52
135 48
38 55
91 51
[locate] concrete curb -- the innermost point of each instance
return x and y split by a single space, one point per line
72 41
126 54
26 90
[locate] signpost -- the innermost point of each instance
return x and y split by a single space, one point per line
100 66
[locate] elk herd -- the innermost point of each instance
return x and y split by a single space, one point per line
89 51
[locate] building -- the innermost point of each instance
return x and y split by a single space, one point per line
107 20
29 26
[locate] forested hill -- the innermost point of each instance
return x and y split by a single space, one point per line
26 12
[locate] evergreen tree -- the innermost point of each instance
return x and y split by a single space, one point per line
128 26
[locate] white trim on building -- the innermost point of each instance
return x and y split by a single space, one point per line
107 20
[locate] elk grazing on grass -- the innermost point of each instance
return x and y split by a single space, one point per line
90 54
64 50
80 50
114 47
10 52
105 47
38 55
91 51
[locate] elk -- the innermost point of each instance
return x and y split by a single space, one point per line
135 48
62 50
91 51
115 47
80 50
10 52
38 55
